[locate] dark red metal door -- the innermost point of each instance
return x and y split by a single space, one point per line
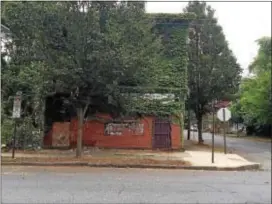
162 134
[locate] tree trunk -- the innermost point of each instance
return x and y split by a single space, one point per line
181 123
42 123
270 130
237 129
79 131
189 125
199 127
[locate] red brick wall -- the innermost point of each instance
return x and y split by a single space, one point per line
61 134
94 134
47 139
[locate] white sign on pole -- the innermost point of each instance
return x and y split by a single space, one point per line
16 113
223 114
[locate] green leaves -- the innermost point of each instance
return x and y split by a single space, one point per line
255 92
213 69
262 62
252 91
88 49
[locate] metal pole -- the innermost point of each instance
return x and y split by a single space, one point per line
189 102
14 139
224 128
213 130
197 83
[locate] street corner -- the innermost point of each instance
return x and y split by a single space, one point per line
190 160
224 162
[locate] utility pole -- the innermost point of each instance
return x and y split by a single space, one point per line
189 116
199 126
213 104
189 101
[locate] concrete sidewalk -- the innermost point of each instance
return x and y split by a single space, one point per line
221 160
192 160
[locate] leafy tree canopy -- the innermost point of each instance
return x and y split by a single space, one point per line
213 69
255 94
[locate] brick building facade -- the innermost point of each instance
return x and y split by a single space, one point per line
145 133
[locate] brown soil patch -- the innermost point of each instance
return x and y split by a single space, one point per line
95 160
195 146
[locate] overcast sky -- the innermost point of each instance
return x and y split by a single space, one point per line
243 23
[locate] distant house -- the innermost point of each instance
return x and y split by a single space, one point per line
222 104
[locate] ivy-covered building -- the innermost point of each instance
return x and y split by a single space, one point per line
161 107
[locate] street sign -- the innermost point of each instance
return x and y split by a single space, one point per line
223 114
16 113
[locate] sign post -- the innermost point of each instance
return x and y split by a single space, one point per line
213 131
14 139
16 113
224 131
224 114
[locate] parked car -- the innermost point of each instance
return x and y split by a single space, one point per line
193 128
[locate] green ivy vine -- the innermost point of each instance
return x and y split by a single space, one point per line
172 71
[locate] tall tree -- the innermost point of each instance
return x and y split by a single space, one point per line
256 112
262 62
213 70
84 48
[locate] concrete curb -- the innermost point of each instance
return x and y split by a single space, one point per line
145 166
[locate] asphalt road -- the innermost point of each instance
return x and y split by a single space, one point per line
254 151
101 185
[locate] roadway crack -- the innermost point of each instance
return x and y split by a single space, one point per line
214 188
121 190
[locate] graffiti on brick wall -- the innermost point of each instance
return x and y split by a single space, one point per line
134 128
